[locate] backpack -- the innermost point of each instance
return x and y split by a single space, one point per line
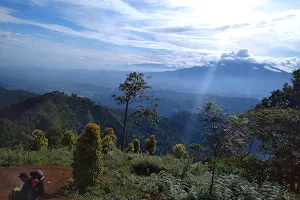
33 191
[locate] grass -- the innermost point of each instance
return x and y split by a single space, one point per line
177 179
61 156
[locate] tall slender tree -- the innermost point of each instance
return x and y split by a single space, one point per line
135 91
218 134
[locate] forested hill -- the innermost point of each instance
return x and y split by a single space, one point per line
56 110
13 96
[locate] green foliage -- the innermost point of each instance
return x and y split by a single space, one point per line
87 165
52 110
130 148
68 139
54 136
9 133
37 140
278 130
288 97
146 168
197 147
165 185
44 156
13 96
150 145
107 131
135 90
137 145
179 151
18 148
109 142
219 134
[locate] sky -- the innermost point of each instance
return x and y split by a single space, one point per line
115 34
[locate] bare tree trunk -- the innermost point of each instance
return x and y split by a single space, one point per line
124 127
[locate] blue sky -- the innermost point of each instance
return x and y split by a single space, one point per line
103 34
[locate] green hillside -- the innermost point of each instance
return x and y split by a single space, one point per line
63 112
13 96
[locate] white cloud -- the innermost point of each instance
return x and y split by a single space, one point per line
180 33
271 69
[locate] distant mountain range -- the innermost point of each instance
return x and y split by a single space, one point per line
223 78
226 78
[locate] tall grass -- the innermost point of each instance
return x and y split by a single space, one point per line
61 156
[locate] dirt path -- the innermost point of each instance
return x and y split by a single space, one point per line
55 177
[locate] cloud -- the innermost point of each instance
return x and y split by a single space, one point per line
172 32
271 69
286 64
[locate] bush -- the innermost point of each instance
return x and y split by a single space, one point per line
137 145
146 168
229 186
87 164
130 148
108 131
164 186
109 143
179 151
68 139
37 140
18 148
150 145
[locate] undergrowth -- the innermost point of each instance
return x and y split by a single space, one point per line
61 156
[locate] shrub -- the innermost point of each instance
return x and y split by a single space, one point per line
108 131
179 151
130 148
109 143
87 164
37 140
18 148
137 145
147 167
150 145
68 139
232 186
164 186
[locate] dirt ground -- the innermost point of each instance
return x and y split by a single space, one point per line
55 177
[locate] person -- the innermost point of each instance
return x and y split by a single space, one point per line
39 181
22 194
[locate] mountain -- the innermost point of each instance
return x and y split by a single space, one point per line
223 78
58 110
226 78
13 96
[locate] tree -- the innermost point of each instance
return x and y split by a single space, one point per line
218 135
54 136
135 91
288 97
108 131
150 145
9 133
109 140
68 139
137 145
180 151
130 148
37 140
278 131
88 160
198 150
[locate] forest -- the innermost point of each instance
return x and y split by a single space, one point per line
213 154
